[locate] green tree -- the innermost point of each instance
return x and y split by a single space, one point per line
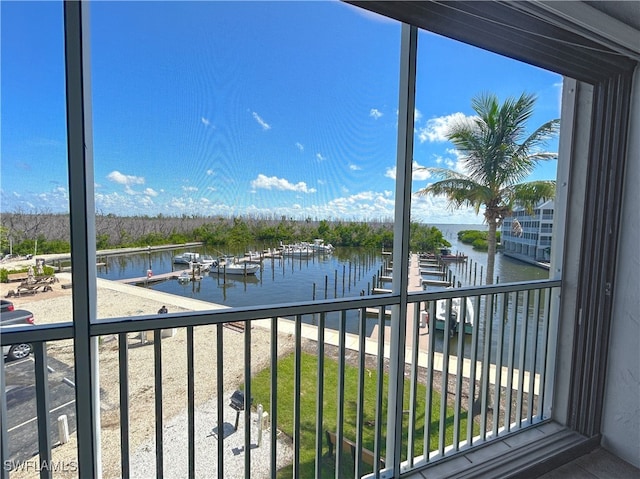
426 238
497 155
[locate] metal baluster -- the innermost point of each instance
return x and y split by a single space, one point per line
379 391
297 393
360 400
157 359
475 333
340 415
459 371
534 353
498 377
123 363
445 379
247 398
191 426
42 407
486 364
521 358
545 347
429 396
320 395
4 426
413 384
511 360
220 397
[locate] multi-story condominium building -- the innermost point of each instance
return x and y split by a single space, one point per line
527 236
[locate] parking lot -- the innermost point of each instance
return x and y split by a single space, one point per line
21 405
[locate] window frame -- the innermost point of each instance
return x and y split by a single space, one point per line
518 31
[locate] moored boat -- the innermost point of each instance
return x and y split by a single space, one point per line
226 266
184 277
186 258
446 255
453 314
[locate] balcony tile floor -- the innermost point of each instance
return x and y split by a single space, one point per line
598 464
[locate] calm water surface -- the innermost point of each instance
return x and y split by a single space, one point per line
346 273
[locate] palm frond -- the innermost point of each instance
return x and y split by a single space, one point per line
528 195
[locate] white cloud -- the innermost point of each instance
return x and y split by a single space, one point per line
189 189
128 180
281 184
261 122
150 192
437 129
375 113
210 172
353 167
417 115
299 146
434 209
211 188
419 172
205 121
320 157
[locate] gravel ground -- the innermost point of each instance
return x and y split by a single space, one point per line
117 300
206 444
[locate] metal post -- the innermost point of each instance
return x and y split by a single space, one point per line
83 232
406 103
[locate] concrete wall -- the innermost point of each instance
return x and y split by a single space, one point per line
621 420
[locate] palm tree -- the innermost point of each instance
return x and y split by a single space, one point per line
497 155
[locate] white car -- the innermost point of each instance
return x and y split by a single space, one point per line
11 319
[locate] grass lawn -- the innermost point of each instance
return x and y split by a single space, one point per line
260 390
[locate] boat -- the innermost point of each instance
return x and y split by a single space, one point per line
446 255
206 261
186 258
319 246
297 251
227 266
251 257
454 316
184 277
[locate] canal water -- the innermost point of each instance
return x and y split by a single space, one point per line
347 272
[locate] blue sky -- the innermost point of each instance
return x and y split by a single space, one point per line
267 109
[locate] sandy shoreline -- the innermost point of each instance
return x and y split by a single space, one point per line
118 300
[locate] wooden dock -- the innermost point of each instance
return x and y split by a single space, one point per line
154 278
432 272
433 282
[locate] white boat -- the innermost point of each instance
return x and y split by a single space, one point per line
186 258
231 267
297 251
206 261
184 277
454 315
319 246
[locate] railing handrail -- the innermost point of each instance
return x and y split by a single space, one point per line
129 324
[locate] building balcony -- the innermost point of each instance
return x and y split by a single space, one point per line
163 386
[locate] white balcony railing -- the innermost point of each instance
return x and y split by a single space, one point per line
461 389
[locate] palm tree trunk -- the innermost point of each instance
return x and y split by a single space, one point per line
491 250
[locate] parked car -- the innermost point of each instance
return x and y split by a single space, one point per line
11 318
6 305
